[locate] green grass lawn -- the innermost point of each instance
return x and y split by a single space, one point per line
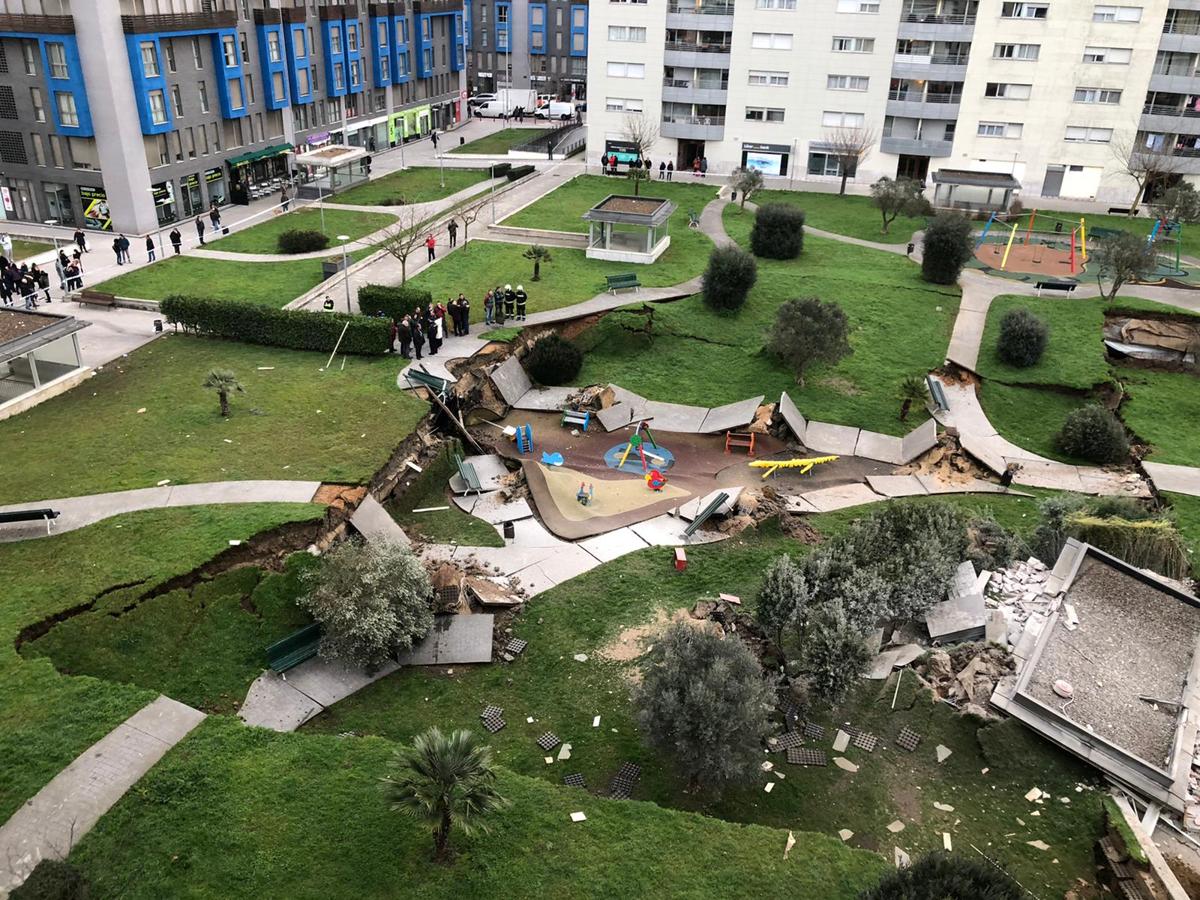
272 284
293 422
202 646
417 185
264 237
499 142
1030 417
1164 409
47 719
23 249
900 327
445 526
852 216
504 335
562 208
1186 510
1074 356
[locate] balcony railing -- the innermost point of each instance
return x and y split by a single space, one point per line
918 97
706 9
688 83
1191 152
936 19
1175 71
673 119
697 47
1186 112
926 59
1181 28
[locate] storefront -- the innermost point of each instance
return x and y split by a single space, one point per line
58 203
769 159
95 208
258 173
409 124
193 199
18 200
164 202
625 151
215 180
372 134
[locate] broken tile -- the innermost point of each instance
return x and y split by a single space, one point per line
845 834
769 786
578 817
842 763
1038 845
841 741
896 827
900 858
1033 794
944 807
564 752
943 752
946 841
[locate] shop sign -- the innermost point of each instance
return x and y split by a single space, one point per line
164 193
95 208
211 175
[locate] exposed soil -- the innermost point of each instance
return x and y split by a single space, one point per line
15 324
634 642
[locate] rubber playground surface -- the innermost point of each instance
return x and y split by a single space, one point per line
1034 259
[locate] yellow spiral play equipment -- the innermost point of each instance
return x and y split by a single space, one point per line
804 465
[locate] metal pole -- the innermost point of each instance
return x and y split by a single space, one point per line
346 275
441 170
493 200
320 205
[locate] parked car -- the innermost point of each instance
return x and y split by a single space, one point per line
480 99
543 99
555 110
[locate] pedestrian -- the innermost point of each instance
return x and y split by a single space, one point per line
285 199
670 171
696 167
488 307
365 164
522 298
404 332
510 301
647 165
393 333
662 170
613 162
430 243
200 229
117 250
214 216
418 336
125 249
150 249
604 163
371 144
176 239
433 137
60 266
704 167
464 314
80 240
40 280
433 331
452 229
74 276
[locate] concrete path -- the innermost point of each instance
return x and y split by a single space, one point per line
285 702
76 512
62 812
1174 479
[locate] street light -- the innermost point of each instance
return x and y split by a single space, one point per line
346 269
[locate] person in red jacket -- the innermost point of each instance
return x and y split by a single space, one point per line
430 243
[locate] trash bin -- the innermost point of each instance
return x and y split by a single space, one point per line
331 267
158 326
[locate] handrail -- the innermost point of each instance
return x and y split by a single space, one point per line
926 59
712 9
697 47
918 97
673 119
1181 27
687 83
1159 110
935 19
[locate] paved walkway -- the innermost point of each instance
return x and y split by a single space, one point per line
62 812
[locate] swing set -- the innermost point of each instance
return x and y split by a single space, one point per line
1042 241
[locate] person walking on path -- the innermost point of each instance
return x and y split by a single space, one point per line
393 333
200 229
117 250
433 138
522 299
670 171
151 253
176 239
430 244
214 216
285 199
81 240
40 280
488 308
418 336
510 301
404 332
125 249
704 167
452 230
662 170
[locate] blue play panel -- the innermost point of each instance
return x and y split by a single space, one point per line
665 459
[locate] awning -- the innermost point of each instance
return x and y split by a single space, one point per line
259 154
976 179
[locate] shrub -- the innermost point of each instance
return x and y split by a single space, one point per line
990 545
302 240
291 328
518 172
53 879
946 248
394 301
1023 338
808 331
499 170
1093 433
727 281
553 360
941 875
778 231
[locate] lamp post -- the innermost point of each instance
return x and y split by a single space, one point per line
346 269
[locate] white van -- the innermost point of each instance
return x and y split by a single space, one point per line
555 110
493 109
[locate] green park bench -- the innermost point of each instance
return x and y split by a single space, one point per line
621 282
466 471
294 649
937 393
580 417
422 379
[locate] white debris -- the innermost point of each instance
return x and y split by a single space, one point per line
769 786
946 841
943 752
578 817
944 807
845 834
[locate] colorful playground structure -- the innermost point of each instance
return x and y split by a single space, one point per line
804 465
1048 240
638 443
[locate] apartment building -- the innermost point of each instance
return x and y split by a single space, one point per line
518 44
129 115
980 97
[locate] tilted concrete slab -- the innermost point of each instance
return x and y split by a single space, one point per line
935 485
617 416
675 417
826 438
454 640
798 505
840 497
490 468
530 534
1098 481
1174 479
273 703
511 380
545 399
492 508
667 531
329 680
1048 474
982 449
896 485
793 418
373 522
881 447
693 507
921 439
613 544
620 395
731 416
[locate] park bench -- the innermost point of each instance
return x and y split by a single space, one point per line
29 515
417 378
1119 210
95 298
621 282
1065 287
739 439
693 220
466 471
937 393
294 649
580 417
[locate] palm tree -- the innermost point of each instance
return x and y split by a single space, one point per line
444 780
224 382
539 255
912 390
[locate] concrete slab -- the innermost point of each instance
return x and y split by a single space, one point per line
545 399
273 703
675 417
693 507
529 533
731 416
492 508
1048 474
826 438
501 560
896 485
242 492
882 447
797 505
995 629
373 522
533 581
935 485
610 546
619 415
491 470
922 438
666 531
454 640
793 418
568 562
1174 479
620 395
1099 481
840 497
511 380
327 681
983 449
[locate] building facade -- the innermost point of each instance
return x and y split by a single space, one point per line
1054 98
129 115
518 44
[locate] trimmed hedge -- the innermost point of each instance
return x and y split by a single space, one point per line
291 328
500 169
727 281
394 301
553 360
1023 338
302 240
1095 434
778 231
518 172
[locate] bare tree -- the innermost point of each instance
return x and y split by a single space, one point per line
402 239
469 214
1144 163
849 146
642 132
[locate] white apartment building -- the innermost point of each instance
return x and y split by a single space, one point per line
1049 97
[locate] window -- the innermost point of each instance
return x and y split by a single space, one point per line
149 59
302 87
775 4
626 70
1024 10
1000 129
1004 91
335 38
842 119
245 48
176 100
847 82
385 69
197 54
760 40
273 50
250 87
355 73
339 77
39 150
820 163
351 37
235 94
381 35
29 54
537 16
1083 135
1028 52
35 98
770 79
537 41
158 108
277 90
853 45
868 7
67 114
1097 95
169 47
759 114
622 104
627 33
229 51
1122 14
202 87
1112 56
56 53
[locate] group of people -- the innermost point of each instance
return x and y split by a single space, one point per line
502 303
22 282
666 170
427 327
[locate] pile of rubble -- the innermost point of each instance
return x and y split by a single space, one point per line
947 461
1018 590
966 675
